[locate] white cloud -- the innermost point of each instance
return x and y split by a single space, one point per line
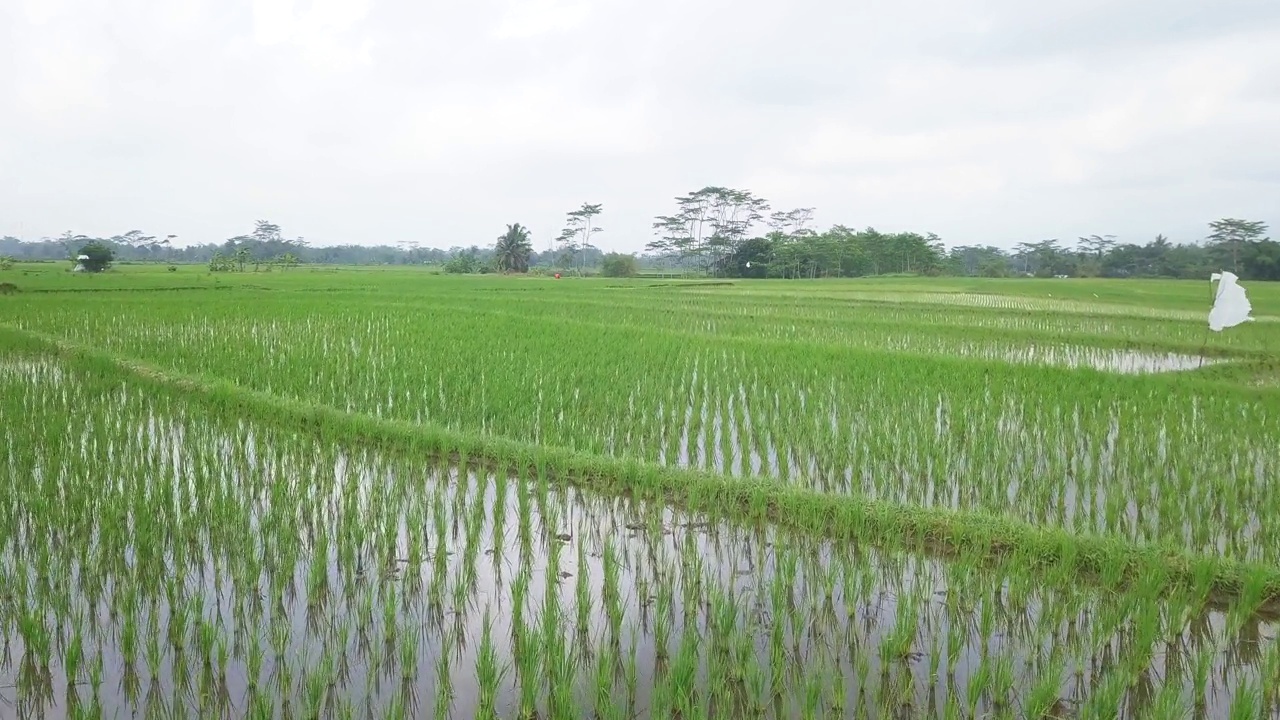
322 32
274 21
40 12
517 120
350 120
529 18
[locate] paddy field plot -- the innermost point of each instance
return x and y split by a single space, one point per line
389 494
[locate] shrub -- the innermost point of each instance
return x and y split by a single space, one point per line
97 256
619 265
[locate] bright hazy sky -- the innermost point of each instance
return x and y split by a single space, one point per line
994 121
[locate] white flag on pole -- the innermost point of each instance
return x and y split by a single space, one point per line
1230 305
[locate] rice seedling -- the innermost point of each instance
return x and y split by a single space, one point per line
771 396
792 523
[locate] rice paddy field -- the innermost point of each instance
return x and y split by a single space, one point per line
381 493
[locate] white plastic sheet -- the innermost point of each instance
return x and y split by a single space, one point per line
1230 305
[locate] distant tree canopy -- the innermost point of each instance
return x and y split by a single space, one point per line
96 256
619 265
1231 245
468 261
838 252
728 233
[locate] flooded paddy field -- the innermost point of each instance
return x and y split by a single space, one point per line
1048 429
161 563
171 546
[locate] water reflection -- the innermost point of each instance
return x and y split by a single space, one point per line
159 563
1127 362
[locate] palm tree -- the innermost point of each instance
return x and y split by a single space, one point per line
511 252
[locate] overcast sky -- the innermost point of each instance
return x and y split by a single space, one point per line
367 121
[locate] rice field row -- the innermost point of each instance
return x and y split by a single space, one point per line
937 330
382 494
163 562
1160 459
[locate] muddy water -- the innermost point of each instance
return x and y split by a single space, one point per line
356 574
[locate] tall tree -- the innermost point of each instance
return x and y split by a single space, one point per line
787 228
675 238
512 250
576 236
1230 235
686 232
1097 245
266 232
135 239
71 241
1042 258
709 224
975 259
663 251
733 214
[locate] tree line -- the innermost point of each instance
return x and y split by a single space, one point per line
267 245
1241 246
724 232
513 251
713 231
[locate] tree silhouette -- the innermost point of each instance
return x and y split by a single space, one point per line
513 248
1231 234
579 229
